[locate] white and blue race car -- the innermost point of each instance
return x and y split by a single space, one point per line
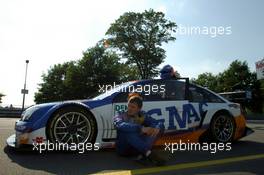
189 112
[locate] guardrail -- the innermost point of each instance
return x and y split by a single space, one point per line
10 112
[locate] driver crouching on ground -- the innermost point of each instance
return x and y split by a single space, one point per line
136 132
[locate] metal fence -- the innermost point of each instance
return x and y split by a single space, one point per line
10 110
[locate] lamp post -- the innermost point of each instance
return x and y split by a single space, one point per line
25 91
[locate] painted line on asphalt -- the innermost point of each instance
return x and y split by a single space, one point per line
183 165
196 164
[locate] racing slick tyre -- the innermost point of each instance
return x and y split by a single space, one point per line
222 128
72 125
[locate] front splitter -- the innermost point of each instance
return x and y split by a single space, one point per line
11 141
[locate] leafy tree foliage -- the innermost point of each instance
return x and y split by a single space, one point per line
139 36
236 77
81 79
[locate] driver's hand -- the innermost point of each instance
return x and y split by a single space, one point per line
150 131
155 132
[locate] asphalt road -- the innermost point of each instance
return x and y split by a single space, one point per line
246 157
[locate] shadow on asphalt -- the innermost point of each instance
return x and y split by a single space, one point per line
66 162
103 160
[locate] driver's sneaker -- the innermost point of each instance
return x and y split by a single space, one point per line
155 159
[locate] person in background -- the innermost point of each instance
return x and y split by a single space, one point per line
136 132
167 72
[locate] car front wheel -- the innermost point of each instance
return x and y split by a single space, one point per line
72 125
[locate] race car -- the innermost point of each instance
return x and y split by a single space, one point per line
189 113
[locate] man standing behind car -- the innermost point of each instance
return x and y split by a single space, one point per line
136 132
167 72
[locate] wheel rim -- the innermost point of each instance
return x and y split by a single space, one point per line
223 127
72 127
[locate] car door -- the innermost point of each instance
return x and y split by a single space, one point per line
172 105
164 102
205 103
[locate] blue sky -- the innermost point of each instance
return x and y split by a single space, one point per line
50 32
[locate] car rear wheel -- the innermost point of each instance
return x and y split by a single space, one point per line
72 125
222 128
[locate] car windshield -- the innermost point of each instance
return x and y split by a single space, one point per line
111 90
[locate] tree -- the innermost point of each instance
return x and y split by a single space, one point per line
1 95
97 67
177 74
207 80
236 77
82 78
53 86
139 37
